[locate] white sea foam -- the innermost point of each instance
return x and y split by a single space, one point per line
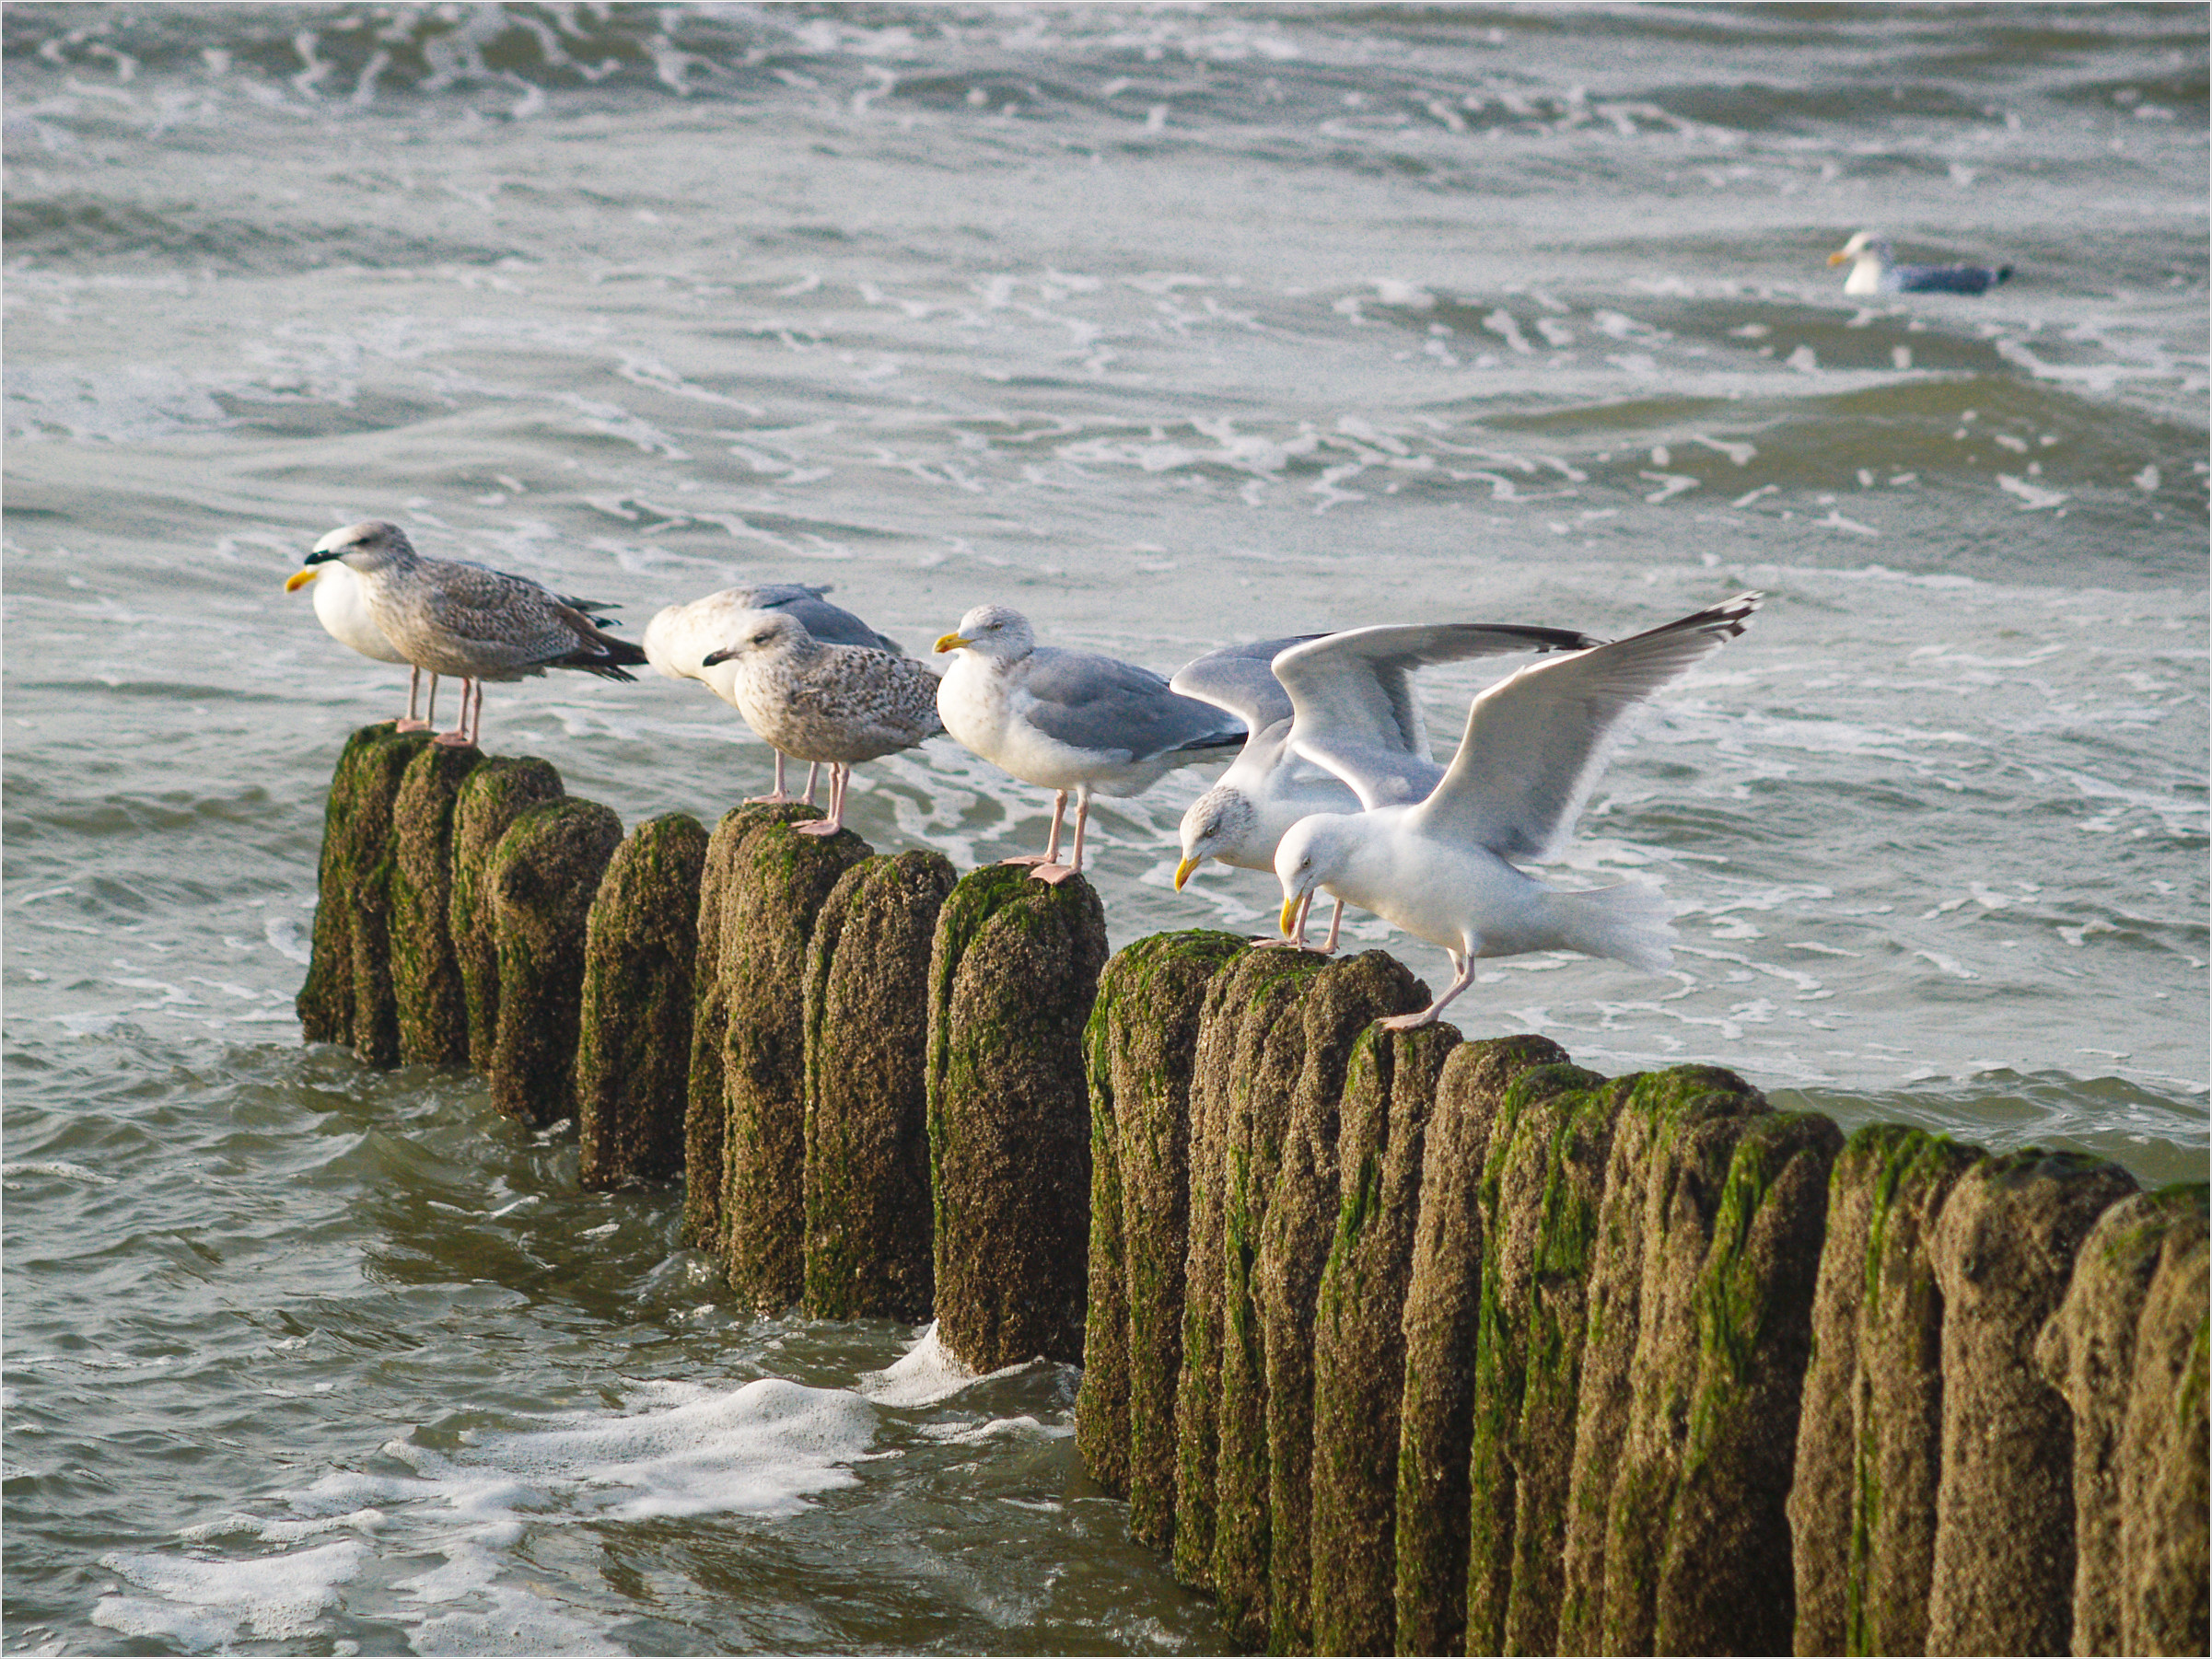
201 1604
925 1374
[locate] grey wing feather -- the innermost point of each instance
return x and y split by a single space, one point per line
1354 701
510 615
1091 701
1537 741
1239 679
832 624
1948 279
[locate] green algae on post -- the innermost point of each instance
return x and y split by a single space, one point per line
491 797
541 878
1340 1009
634 1034
778 880
867 1209
425 974
706 1092
1250 1044
1440 1323
351 835
2004 1251
1141 1048
1359 1338
2163 1475
1013 968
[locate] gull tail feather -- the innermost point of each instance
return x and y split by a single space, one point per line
1632 923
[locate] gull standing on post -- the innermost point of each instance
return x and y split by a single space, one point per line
1352 690
679 638
1069 720
825 705
1534 745
446 616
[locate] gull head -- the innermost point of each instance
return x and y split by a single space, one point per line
1864 245
1313 854
369 547
1217 822
992 632
760 636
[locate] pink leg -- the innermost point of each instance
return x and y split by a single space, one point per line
777 798
1055 873
1463 971
407 722
813 772
1296 938
840 775
462 736
1052 844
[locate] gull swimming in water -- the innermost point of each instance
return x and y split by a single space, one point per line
446 616
824 704
1069 720
1874 270
679 636
1353 687
1534 745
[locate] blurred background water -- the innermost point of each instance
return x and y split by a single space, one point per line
1169 327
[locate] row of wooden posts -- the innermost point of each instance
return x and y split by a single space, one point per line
1393 1341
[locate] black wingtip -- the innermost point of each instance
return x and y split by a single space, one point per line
1229 739
2004 274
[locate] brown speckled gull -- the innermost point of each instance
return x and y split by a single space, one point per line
816 701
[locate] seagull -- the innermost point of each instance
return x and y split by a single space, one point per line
1874 270
447 616
678 637
342 607
1353 686
1068 720
1534 745
825 703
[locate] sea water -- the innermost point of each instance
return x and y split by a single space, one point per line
1169 327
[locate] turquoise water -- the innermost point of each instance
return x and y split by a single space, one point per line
1169 327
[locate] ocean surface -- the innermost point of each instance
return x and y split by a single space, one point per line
1169 327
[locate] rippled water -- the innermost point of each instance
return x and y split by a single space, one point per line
1169 327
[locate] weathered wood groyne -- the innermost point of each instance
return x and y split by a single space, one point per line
1393 1342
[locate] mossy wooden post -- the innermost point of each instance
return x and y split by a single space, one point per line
634 1041
425 974
1251 1040
1345 1001
348 996
1012 972
1140 1047
1442 1304
491 797
2087 1352
1727 1582
1673 1141
325 1003
868 1213
2004 1251
1541 1184
707 1094
2163 1472
542 878
1862 1504
778 881
1359 1338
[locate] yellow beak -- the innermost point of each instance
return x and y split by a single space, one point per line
951 642
1183 870
1837 258
300 578
1290 915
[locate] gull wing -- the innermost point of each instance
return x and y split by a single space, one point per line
1101 704
1537 741
1238 678
1353 701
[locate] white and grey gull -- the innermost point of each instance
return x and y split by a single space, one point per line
823 702
1069 721
1535 743
467 620
680 638
1352 689
1874 270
